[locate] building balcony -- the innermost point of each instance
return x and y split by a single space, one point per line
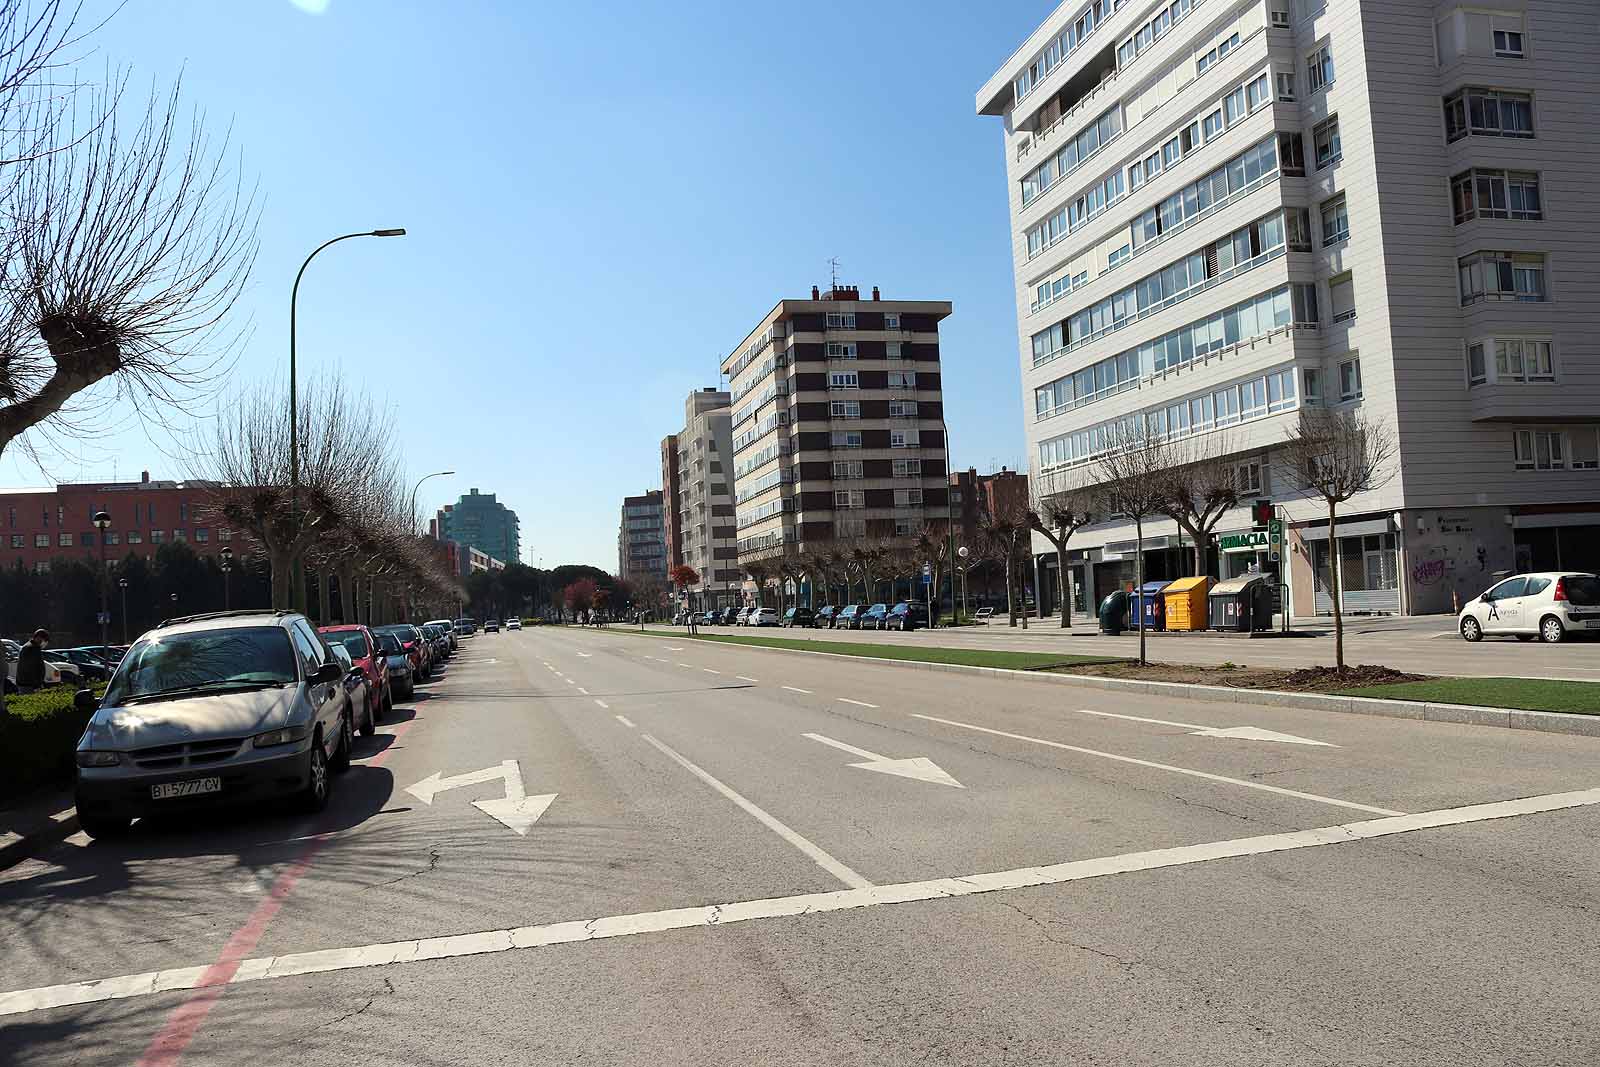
1533 402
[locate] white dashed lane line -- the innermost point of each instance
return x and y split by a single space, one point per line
708 670
602 703
624 720
857 703
742 678
793 689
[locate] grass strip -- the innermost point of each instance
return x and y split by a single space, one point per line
1526 694
966 657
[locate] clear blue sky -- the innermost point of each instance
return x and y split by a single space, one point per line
602 200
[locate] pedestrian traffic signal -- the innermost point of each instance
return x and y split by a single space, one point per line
1261 512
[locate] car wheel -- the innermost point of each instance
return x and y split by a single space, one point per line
1471 630
388 701
1551 632
103 826
370 726
314 797
341 756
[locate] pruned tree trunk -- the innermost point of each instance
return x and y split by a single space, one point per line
1138 580
1333 583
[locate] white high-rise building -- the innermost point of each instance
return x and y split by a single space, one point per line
1222 211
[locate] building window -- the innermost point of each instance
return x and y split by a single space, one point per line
1519 360
1285 80
1335 221
841 320
902 409
179 535
1325 141
845 409
1249 478
846 528
907 468
844 379
1319 69
902 379
849 498
1487 113
201 535
86 540
1206 60
846 439
902 438
907 498
1503 276
1496 194
848 468
1539 450
135 538
891 321
1508 44
1342 295
1212 124
903 527
841 350
1477 368
157 537
226 534
64 540
113 537
892 349
1291 154
1350 379
1305 304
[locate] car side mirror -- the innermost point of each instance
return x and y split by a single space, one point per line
85 701
328 672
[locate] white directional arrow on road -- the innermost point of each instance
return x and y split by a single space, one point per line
921 768
1237 733
516 809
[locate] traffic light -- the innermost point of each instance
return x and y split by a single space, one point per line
1261 512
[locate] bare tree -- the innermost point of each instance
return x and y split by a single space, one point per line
1336 455
1132 473
1058 513
1201 485
934 547
1007 530
129 249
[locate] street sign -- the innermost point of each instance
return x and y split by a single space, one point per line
102 618
927 579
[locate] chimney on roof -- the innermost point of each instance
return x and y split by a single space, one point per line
144 477
816 294
875 295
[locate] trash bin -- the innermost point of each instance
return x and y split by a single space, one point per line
1151 602
1241 604
1113 613
1186 603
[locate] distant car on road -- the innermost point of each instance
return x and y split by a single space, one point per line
728 615
366 656
466 628
417 648
402 674
236 707
492 626
906 615
797 616
822 619
1549 605
743 617
764 617
873 618
90 666
513 624
849 617
448 626
56 671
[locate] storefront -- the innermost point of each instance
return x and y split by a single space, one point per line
1368 557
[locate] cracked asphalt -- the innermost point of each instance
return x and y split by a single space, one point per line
1458 945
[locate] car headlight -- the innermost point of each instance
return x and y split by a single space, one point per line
91 758
286 736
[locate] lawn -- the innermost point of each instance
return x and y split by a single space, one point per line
967 657
1528 694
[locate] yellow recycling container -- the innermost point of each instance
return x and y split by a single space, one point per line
1186 603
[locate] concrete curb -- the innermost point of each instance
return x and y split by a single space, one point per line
1550 722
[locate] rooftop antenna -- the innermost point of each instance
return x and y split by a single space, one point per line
833 265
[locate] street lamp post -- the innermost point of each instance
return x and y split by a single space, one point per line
295 592
122 584
102 522
412 514
962 552
227 590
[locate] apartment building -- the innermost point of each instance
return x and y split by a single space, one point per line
641 539
699 500
1224 211
837 421
477 520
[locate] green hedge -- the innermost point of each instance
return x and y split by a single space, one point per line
38 735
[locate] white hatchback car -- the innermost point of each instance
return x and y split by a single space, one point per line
764 617
1548 605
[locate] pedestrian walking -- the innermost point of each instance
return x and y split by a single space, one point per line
30 662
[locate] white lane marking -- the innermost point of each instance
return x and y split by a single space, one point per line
1239 733
708 670
858 703
742 678
689 665
920 768
603 704
585 655
23 1001
516 809
674 648
818 856
1168 767
624 720
792 689
582 690
569 681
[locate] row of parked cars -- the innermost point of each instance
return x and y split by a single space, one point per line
241 707
906 615
86 664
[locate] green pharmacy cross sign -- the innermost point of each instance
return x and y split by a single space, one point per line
1253 541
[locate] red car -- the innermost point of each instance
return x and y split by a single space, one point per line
363 648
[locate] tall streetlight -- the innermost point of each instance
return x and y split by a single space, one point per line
295 592
227 585
414 488
122 584
102 522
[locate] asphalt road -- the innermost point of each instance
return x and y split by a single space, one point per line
1420 644
760 857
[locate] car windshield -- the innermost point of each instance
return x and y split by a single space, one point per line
352 641
1583 592
207 660
388 645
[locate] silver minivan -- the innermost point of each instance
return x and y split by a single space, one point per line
236 707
